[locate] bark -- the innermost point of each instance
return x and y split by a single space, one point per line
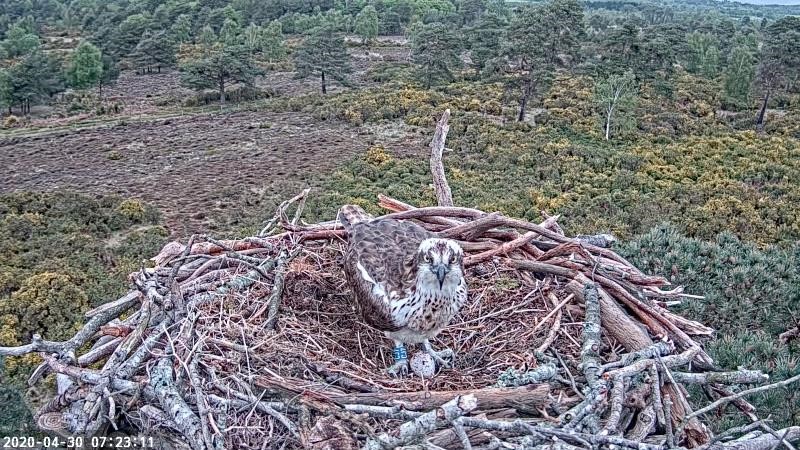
528 398
221 86
443 193
415 430
762 113
764 442
174 405
619 325
324 88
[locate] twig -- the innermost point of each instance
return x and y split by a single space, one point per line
741 394
415 430
668 421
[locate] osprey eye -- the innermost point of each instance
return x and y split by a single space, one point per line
427 258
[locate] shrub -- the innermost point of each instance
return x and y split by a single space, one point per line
751 296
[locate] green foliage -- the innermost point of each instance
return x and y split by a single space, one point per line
126 36
20 40
615 96
272 45
435 49
154 50
35 77
485 40
64 253
216 64
780 59
745 289
703 54
181 29
15 418
538 38
739 75
48 303
6 89
367 24
86 67
323 54
265 40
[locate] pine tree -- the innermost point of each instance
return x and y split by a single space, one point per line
126 35
537 39
435 49
272 45
155 49
780 60
33 79
251 38
181 29
367 24
323 54
86 67
231 33
5 90
217 65
20 40
485 41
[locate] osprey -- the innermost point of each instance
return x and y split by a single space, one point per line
406 282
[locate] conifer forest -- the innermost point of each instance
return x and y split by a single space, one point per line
623 177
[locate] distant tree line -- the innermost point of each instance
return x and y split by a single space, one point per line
216 43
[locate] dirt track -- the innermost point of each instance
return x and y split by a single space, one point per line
188 166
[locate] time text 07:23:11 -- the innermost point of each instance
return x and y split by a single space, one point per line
77 441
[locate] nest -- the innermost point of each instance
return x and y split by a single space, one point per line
256 343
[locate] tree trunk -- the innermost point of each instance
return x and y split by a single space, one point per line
324 88
608 123
762 114
523 103
222 91
100 90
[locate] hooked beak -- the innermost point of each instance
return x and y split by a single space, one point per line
441 272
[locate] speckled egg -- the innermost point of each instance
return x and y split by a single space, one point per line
423 365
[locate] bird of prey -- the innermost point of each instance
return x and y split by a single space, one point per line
406 282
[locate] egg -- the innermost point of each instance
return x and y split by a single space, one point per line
423 365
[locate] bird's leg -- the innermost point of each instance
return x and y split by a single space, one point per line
400 366
444 358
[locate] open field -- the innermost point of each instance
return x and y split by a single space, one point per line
190 167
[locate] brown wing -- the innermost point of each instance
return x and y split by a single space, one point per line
386 249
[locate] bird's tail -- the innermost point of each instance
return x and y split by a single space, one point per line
350 215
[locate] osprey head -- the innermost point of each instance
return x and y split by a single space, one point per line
439 264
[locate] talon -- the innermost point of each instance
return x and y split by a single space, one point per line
399 369
444 358
400 366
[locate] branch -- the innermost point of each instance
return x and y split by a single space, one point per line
174 405
415 430
733 397
81 337
443 195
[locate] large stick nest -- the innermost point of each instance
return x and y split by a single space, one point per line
256 343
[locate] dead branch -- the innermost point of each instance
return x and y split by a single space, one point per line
530 397
415 430
443 194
